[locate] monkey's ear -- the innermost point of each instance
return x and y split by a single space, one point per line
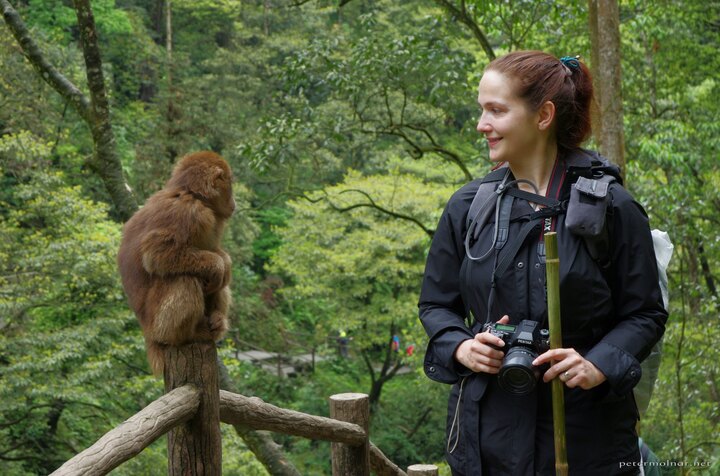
201 180
207 186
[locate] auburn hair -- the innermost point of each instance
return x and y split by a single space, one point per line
541 77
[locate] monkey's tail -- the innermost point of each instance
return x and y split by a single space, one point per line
156 356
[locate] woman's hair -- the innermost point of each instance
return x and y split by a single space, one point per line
567 83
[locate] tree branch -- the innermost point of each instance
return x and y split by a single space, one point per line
418 423
464 16
95 112
368 363
435 148
47 72
107 162
375 206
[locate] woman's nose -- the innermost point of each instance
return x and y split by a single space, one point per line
483 125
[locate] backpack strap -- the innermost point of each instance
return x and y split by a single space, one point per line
485 192
487 200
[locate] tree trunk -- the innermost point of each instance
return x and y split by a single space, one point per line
95 112
107 162
606 49
172 113
260 443
195 447
391 364
595 70
49 435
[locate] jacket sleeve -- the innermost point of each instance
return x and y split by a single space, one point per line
441 306
639 313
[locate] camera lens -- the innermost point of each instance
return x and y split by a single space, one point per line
517 374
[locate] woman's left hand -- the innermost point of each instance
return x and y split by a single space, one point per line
571 368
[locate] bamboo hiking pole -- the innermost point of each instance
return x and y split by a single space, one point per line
552 270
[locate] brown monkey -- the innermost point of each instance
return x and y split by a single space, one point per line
173 271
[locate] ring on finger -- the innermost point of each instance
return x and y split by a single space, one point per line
566 376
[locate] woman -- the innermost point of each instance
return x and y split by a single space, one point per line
535 115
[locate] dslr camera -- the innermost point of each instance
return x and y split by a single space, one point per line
523 343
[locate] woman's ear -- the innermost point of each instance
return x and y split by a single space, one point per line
546 115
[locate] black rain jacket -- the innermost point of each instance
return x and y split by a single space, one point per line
612 317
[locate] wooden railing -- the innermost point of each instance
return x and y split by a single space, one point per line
193 407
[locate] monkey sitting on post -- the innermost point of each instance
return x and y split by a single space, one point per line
173 270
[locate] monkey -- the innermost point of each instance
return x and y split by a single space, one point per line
173 271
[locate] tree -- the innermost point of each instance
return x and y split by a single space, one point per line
356 252
604 30
95 111
96 114
672 130
57 276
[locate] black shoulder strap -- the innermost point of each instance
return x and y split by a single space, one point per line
485 193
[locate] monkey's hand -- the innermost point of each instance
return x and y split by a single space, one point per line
216 276
218 323
228 268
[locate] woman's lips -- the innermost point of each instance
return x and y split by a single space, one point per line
492 141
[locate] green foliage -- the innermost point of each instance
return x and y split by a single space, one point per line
268 241
65 330
59 248
360 265
341 124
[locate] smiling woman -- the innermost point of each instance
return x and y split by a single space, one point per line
488 265
513 130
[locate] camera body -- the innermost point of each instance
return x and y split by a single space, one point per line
523 343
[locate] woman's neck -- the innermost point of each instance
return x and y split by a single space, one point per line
537 169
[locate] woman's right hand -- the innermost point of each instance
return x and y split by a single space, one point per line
481 354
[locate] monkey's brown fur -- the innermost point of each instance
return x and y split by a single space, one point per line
173 271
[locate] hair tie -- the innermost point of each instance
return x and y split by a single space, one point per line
571 61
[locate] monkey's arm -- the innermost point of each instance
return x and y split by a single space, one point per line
163 255
171 250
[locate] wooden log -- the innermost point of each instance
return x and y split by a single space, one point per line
267 452
238 409
195 447
134 434
422 470
351 460
381 464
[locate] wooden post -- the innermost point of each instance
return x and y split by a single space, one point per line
351 460
422 470
552 269
195 446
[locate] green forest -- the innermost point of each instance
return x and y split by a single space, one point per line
348 124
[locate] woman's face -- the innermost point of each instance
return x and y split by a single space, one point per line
507 122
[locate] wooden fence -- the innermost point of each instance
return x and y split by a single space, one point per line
193 407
